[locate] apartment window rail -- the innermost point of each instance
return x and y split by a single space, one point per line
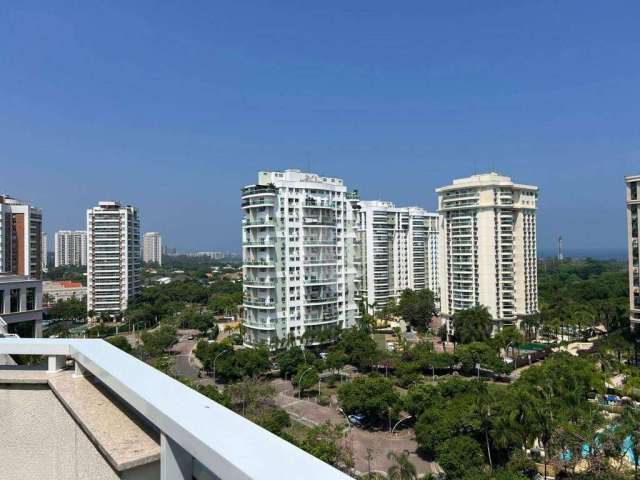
200 439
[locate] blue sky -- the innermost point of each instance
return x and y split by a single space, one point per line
173 106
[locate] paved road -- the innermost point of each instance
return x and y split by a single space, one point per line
359 441
183 362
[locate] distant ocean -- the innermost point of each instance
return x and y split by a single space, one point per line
595 253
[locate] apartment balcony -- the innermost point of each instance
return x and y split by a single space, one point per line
319 222
320 260
320 319
259 263
258 190
315 203
260 303
258 202
258 222
259 283
262 243
311 280
129 420
321 300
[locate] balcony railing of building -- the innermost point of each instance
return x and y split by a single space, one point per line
199 438
259 190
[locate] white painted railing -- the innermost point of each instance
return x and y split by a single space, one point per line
199 438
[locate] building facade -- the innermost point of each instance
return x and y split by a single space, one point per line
20 238
113 257
633 208
152 248
399 251
70 248
20 306
488 247
299 239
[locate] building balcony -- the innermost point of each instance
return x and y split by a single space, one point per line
263 243
259 303
320 300
259 222
255 190
142 423
258 202
319 280
259 263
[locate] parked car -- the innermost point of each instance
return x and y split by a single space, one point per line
356 419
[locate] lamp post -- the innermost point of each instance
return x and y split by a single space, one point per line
300 381
399 422
346 418
214 365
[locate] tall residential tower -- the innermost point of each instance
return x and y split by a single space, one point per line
20 238
152 248
399 251
633 208
113 257
70 248
298 250
488 247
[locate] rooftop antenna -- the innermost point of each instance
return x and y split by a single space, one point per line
560 249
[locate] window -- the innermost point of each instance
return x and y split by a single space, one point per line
31 298
1 302
14 300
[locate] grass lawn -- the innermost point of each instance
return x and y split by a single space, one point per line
297 430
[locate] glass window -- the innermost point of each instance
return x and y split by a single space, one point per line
31 298
14 300
1 302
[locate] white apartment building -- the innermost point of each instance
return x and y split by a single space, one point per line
298 257
633 208
488 247
70 248
20 238
399 251
113 257
152 248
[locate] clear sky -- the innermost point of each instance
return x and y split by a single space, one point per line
173 106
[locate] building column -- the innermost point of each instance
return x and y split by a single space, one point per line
175 462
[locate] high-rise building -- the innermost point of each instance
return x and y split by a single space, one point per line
45 252
399 251
113 257
488 247
20 238
298 258
70 248
633 208
152 248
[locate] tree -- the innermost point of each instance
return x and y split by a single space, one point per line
289 360
358 346
326 443
156 342
372 396
628 432
473 325
459 455
416 307
121 342
480 353
402 468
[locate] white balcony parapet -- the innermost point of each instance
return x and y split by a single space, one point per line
200 438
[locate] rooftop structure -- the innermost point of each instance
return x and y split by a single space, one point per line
128 420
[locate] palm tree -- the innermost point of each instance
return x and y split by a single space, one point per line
402 468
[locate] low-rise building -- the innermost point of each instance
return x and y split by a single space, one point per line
20 306
53 291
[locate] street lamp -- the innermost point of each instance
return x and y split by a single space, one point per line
399 422
300 381
214 365
347 418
